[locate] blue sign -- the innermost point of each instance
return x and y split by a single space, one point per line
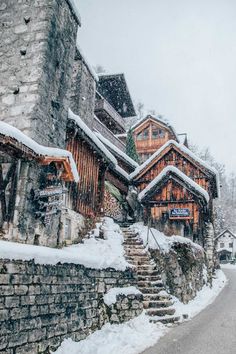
178 212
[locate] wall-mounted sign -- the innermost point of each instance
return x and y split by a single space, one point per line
179 212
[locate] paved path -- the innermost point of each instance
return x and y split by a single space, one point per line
213 331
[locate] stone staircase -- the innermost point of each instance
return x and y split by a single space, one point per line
157 301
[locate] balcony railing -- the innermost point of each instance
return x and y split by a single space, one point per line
101 105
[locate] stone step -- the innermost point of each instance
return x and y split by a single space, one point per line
152 290
147 284
162 311
155 297
157 304
149 277
137 253
145 272
165 319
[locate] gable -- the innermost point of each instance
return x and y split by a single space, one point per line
152 130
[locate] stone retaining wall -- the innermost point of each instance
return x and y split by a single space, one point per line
41 305
183 270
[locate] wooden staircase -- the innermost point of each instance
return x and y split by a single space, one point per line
157 301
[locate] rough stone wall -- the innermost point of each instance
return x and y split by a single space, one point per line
82 100
36 57
183 270
41 305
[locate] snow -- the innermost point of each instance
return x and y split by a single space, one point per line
75 6
117 150
93 253
225 249
110 296
180 174
131 337
228 266
204 297
92 136
159 240
186 151
9 130
122 172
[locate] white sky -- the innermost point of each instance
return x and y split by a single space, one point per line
179 58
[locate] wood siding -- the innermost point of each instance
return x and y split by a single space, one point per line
86 197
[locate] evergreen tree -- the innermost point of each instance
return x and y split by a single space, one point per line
130 147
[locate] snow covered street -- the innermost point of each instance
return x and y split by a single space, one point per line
138 334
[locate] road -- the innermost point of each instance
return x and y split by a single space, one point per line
213 331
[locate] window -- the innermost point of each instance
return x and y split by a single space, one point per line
67 229
143 135
157 133
231 245
222 244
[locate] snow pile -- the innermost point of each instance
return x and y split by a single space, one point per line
93 253
157 240
204 297
131 337
75 6
228 266
9 130
110 296
181 175
92 136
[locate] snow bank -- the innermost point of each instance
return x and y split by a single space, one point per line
110 296
181 175
93 253
131 337
228 266
204 297
159 240
75 6
9 130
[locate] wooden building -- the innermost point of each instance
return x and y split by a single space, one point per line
173 154
150 134
92 160
176 204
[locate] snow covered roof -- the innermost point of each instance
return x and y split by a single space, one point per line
187 152
158 120
115 90
86 62
41 151
92 137
117 151
224 232
224 250
173 170
75 7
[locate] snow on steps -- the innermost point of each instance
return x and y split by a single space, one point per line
157 302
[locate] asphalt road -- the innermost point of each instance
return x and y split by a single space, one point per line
213 331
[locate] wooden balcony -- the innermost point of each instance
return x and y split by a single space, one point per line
109 116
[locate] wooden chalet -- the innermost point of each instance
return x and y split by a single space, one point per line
31 175
92 160
150 133
173 154
176 204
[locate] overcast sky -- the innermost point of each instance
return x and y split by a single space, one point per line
179 58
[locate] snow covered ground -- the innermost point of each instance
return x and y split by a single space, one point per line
138 334
228 266
93 253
